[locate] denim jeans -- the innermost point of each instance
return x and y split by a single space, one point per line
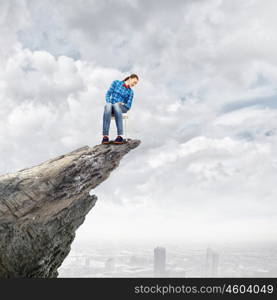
116 109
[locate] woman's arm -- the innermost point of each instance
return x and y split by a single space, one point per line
130 99
110 91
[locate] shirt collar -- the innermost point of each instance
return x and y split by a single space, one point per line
127 86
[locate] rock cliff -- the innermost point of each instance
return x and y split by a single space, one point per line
41 207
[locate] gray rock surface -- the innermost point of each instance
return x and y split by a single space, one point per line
41 207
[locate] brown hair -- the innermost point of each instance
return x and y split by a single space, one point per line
131 76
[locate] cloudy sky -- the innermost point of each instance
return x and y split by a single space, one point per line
204 109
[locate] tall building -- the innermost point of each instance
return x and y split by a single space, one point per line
87 261
110 265
211 264
159 261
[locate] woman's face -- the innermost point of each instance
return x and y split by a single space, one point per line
132 81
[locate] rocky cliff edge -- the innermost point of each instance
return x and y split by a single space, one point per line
41 207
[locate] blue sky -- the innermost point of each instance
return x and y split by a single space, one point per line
206 105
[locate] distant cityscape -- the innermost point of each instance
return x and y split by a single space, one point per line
98 259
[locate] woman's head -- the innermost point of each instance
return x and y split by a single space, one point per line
131 80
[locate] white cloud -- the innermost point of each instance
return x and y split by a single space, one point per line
13 16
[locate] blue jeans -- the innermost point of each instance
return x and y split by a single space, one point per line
116 109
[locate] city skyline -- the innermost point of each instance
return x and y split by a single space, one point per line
132 259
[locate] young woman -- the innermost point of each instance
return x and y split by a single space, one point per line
119 99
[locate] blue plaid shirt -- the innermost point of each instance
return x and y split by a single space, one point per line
119 93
